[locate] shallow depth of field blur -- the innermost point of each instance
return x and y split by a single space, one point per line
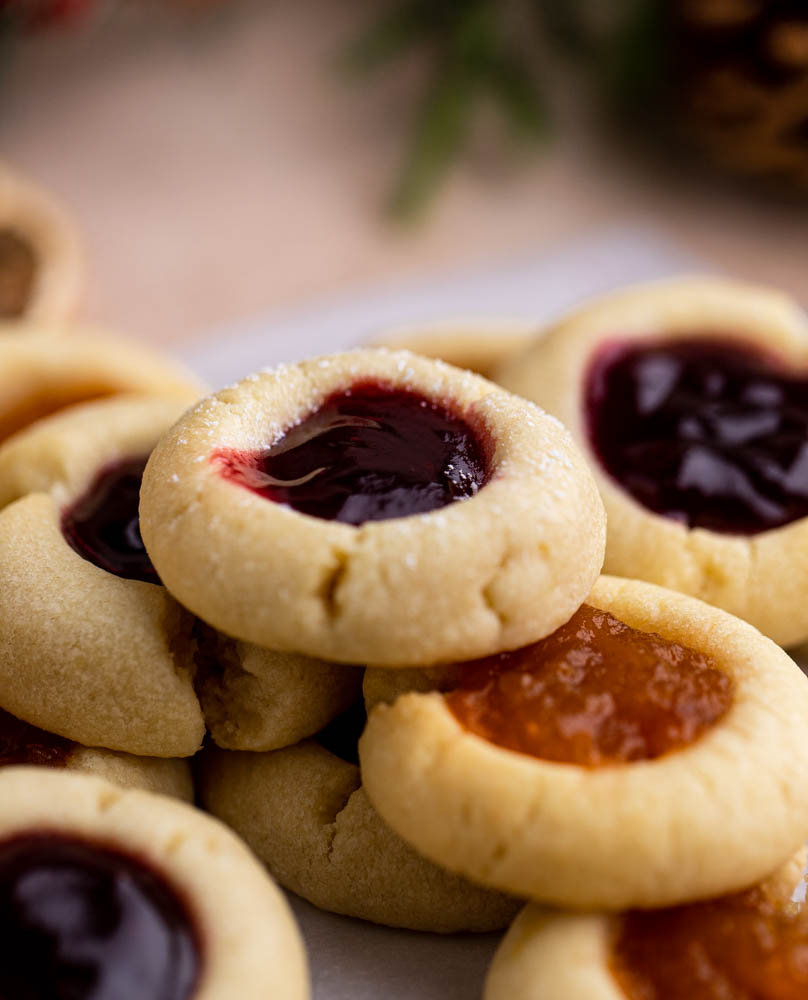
225 159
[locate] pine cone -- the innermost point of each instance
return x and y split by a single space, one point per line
740 76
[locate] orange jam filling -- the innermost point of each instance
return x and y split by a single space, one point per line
748 946
17 270
594 692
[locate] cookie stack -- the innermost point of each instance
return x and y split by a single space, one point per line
372 580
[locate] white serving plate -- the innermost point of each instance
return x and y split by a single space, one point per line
351 959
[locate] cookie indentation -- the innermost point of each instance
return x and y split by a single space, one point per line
103 525
595 692
369 453
22 743
81 921
747 945
709 432
17 274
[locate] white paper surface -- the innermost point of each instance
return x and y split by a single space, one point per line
351 959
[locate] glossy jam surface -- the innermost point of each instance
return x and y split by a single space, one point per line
103 526
711 433
21 743
742 947
595 692
17 272
79 922
369 453
341 735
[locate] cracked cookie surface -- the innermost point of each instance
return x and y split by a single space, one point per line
446 582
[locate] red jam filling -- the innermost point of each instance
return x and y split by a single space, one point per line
21 743
103 526
81 922
711 433
595 692
17 272
369 453
742 947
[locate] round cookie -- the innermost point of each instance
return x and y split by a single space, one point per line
41 374
41 264
382 585
97 655
549 955
479 345
22 743
305 814
172 903
615 819
687 398
252 698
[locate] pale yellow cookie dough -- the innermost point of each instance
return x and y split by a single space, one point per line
701 821
762 578
305 814
250 946
41 260
457 582
551 955
41 374
94 657
259 699
479 345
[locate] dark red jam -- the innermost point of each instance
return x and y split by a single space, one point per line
749 946
21 743
711 433
104 524
593 693
81 922
17 274
369 453
341 735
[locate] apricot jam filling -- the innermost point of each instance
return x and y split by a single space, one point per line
17 273
21 743
84 922
103 525
748 946
369 453
712 433
593 693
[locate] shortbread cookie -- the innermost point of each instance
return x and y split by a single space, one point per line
689 399
304 812
747 946
259 699
72 536
648 753
373 507
479 345
91 647
122 894
41 263
22 743
42 374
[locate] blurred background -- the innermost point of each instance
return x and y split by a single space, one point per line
225 159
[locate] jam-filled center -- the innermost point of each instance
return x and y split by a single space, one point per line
103 525
369 453
748 946
712 433
17 273
83 922
595 692
22 743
